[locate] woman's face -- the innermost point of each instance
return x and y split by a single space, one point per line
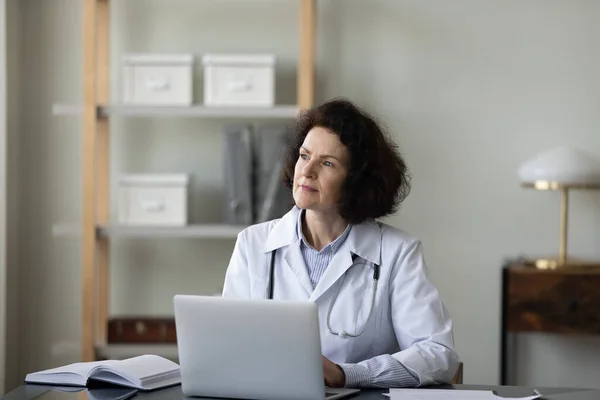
320 171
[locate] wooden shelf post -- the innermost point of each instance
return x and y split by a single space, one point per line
103 164
306 56
88 233
95 175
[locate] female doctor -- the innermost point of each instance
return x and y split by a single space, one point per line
382 321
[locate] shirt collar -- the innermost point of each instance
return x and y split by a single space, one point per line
334 246
364 239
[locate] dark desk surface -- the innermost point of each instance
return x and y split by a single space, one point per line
39 392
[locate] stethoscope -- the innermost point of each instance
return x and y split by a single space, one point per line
343 333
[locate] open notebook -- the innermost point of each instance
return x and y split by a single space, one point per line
147 372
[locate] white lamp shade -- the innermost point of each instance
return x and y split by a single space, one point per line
564 165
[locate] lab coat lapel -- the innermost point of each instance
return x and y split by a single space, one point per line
364 240
283 238
341 261
295 261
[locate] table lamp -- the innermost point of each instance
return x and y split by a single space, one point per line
561 169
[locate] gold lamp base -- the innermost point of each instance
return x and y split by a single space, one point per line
555 263
562 260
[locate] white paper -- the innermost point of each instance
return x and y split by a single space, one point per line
449 394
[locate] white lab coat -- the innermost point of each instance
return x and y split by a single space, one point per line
409 320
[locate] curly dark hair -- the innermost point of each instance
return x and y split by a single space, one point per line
378 178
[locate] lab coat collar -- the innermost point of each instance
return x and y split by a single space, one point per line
364 240
283 232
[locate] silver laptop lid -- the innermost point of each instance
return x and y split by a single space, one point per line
252 349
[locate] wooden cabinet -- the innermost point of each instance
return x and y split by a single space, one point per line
141 330
564 301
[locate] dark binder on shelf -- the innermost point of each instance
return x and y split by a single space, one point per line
238 171
272 198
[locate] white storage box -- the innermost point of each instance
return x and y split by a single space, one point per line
160 199
158 79
239 80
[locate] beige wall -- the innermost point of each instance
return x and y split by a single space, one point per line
11 188
14 134
3 169
469 89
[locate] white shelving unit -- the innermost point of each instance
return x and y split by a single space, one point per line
197 111
96 229
214 231
197 231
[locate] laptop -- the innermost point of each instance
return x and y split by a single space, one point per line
250 349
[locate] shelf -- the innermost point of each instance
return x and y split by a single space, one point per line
194 111
207 231
122 351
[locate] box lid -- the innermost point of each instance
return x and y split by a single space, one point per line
158 59
239 59
163 180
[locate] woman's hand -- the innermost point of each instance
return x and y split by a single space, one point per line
334 374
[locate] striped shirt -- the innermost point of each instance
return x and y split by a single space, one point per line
318 261
380 371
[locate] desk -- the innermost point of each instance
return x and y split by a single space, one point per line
564 301
29 392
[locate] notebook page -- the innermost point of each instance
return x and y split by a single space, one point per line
80 368
147 366
71 374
